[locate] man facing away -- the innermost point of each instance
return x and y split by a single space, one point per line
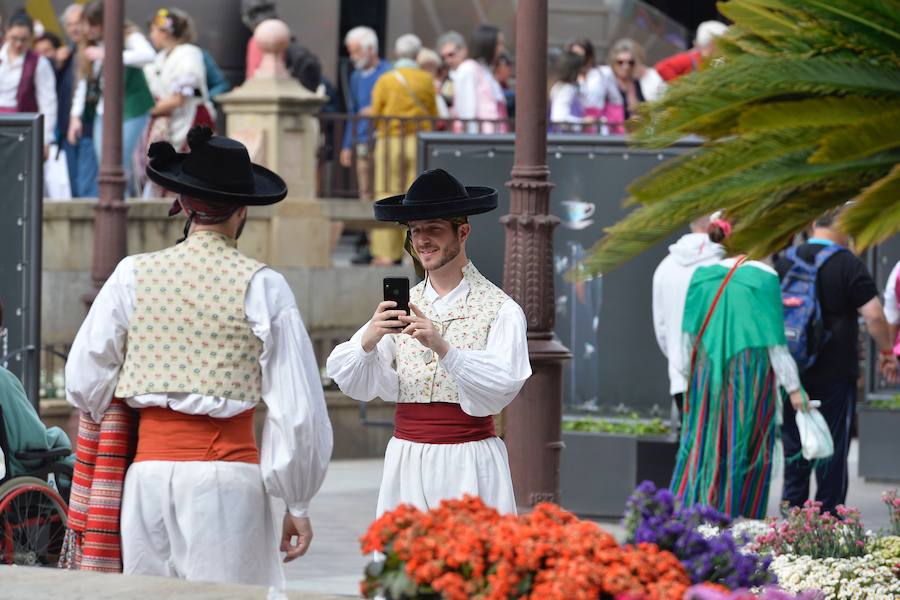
845 292
670 285
195 336
457 360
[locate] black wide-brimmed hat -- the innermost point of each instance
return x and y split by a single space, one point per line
217 169
436 194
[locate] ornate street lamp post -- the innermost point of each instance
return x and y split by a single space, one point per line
533 420
110 213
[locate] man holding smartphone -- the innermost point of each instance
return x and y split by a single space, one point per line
457 359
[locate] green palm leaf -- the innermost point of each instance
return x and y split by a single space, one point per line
875 216
800 114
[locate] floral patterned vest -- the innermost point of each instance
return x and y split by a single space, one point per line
465 325
189 332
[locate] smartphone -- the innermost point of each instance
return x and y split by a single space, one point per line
397 289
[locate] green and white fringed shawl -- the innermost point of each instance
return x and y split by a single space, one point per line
728 434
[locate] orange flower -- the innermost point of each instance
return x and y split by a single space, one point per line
465 549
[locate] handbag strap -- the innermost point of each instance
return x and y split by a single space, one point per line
709 314
410 91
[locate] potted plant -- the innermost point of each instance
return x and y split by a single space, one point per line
879 422
605 458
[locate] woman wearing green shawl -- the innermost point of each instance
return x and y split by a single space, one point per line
734 369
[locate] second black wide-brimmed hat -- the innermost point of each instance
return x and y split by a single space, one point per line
216 169
436 194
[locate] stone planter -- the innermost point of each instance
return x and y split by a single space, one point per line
599 471
879 445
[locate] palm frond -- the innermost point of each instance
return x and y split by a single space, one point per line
800 113
827 111
871 137
875 216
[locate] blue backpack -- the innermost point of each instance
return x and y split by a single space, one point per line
804 327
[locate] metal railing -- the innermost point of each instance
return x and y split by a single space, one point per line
382 150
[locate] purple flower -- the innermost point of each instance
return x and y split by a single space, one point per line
656 516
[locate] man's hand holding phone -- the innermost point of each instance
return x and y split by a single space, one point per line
384 321
422 328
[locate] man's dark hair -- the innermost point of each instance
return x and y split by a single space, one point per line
303 65
21 19
50 37
483 43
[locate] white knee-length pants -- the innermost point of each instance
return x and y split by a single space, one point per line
202 521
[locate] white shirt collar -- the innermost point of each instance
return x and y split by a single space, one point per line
448 299
4 56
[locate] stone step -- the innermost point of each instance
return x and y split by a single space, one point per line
30 583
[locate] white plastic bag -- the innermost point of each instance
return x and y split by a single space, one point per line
815 437
56 175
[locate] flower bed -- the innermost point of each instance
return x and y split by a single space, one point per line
465 549
857 578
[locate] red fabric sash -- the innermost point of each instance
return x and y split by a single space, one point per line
439 423
165 434
103 453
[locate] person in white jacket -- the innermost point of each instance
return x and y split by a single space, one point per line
670 285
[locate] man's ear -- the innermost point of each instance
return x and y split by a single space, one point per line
464 230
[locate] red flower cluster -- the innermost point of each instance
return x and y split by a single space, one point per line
465 549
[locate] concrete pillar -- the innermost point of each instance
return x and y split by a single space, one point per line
275 117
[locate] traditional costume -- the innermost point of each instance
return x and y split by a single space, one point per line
194 337
735 358
444 443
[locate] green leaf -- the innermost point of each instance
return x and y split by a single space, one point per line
854 13
827 111
854 142
875 216
759 18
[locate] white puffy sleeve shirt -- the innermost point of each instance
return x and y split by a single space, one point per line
488 379
891 307
297 436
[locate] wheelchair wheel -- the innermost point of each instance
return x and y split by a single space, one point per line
32 523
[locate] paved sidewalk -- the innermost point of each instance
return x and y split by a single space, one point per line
345 507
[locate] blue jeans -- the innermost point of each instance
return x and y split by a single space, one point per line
82 163
132 130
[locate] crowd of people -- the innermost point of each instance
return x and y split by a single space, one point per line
169 86
749 350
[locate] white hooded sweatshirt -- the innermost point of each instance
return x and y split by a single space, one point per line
670 286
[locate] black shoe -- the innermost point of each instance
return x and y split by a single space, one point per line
362 258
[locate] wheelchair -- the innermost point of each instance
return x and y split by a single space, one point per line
33 506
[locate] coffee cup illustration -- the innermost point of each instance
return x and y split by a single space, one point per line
577 214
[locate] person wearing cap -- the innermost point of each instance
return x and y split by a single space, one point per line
686 62
194 337
457 360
